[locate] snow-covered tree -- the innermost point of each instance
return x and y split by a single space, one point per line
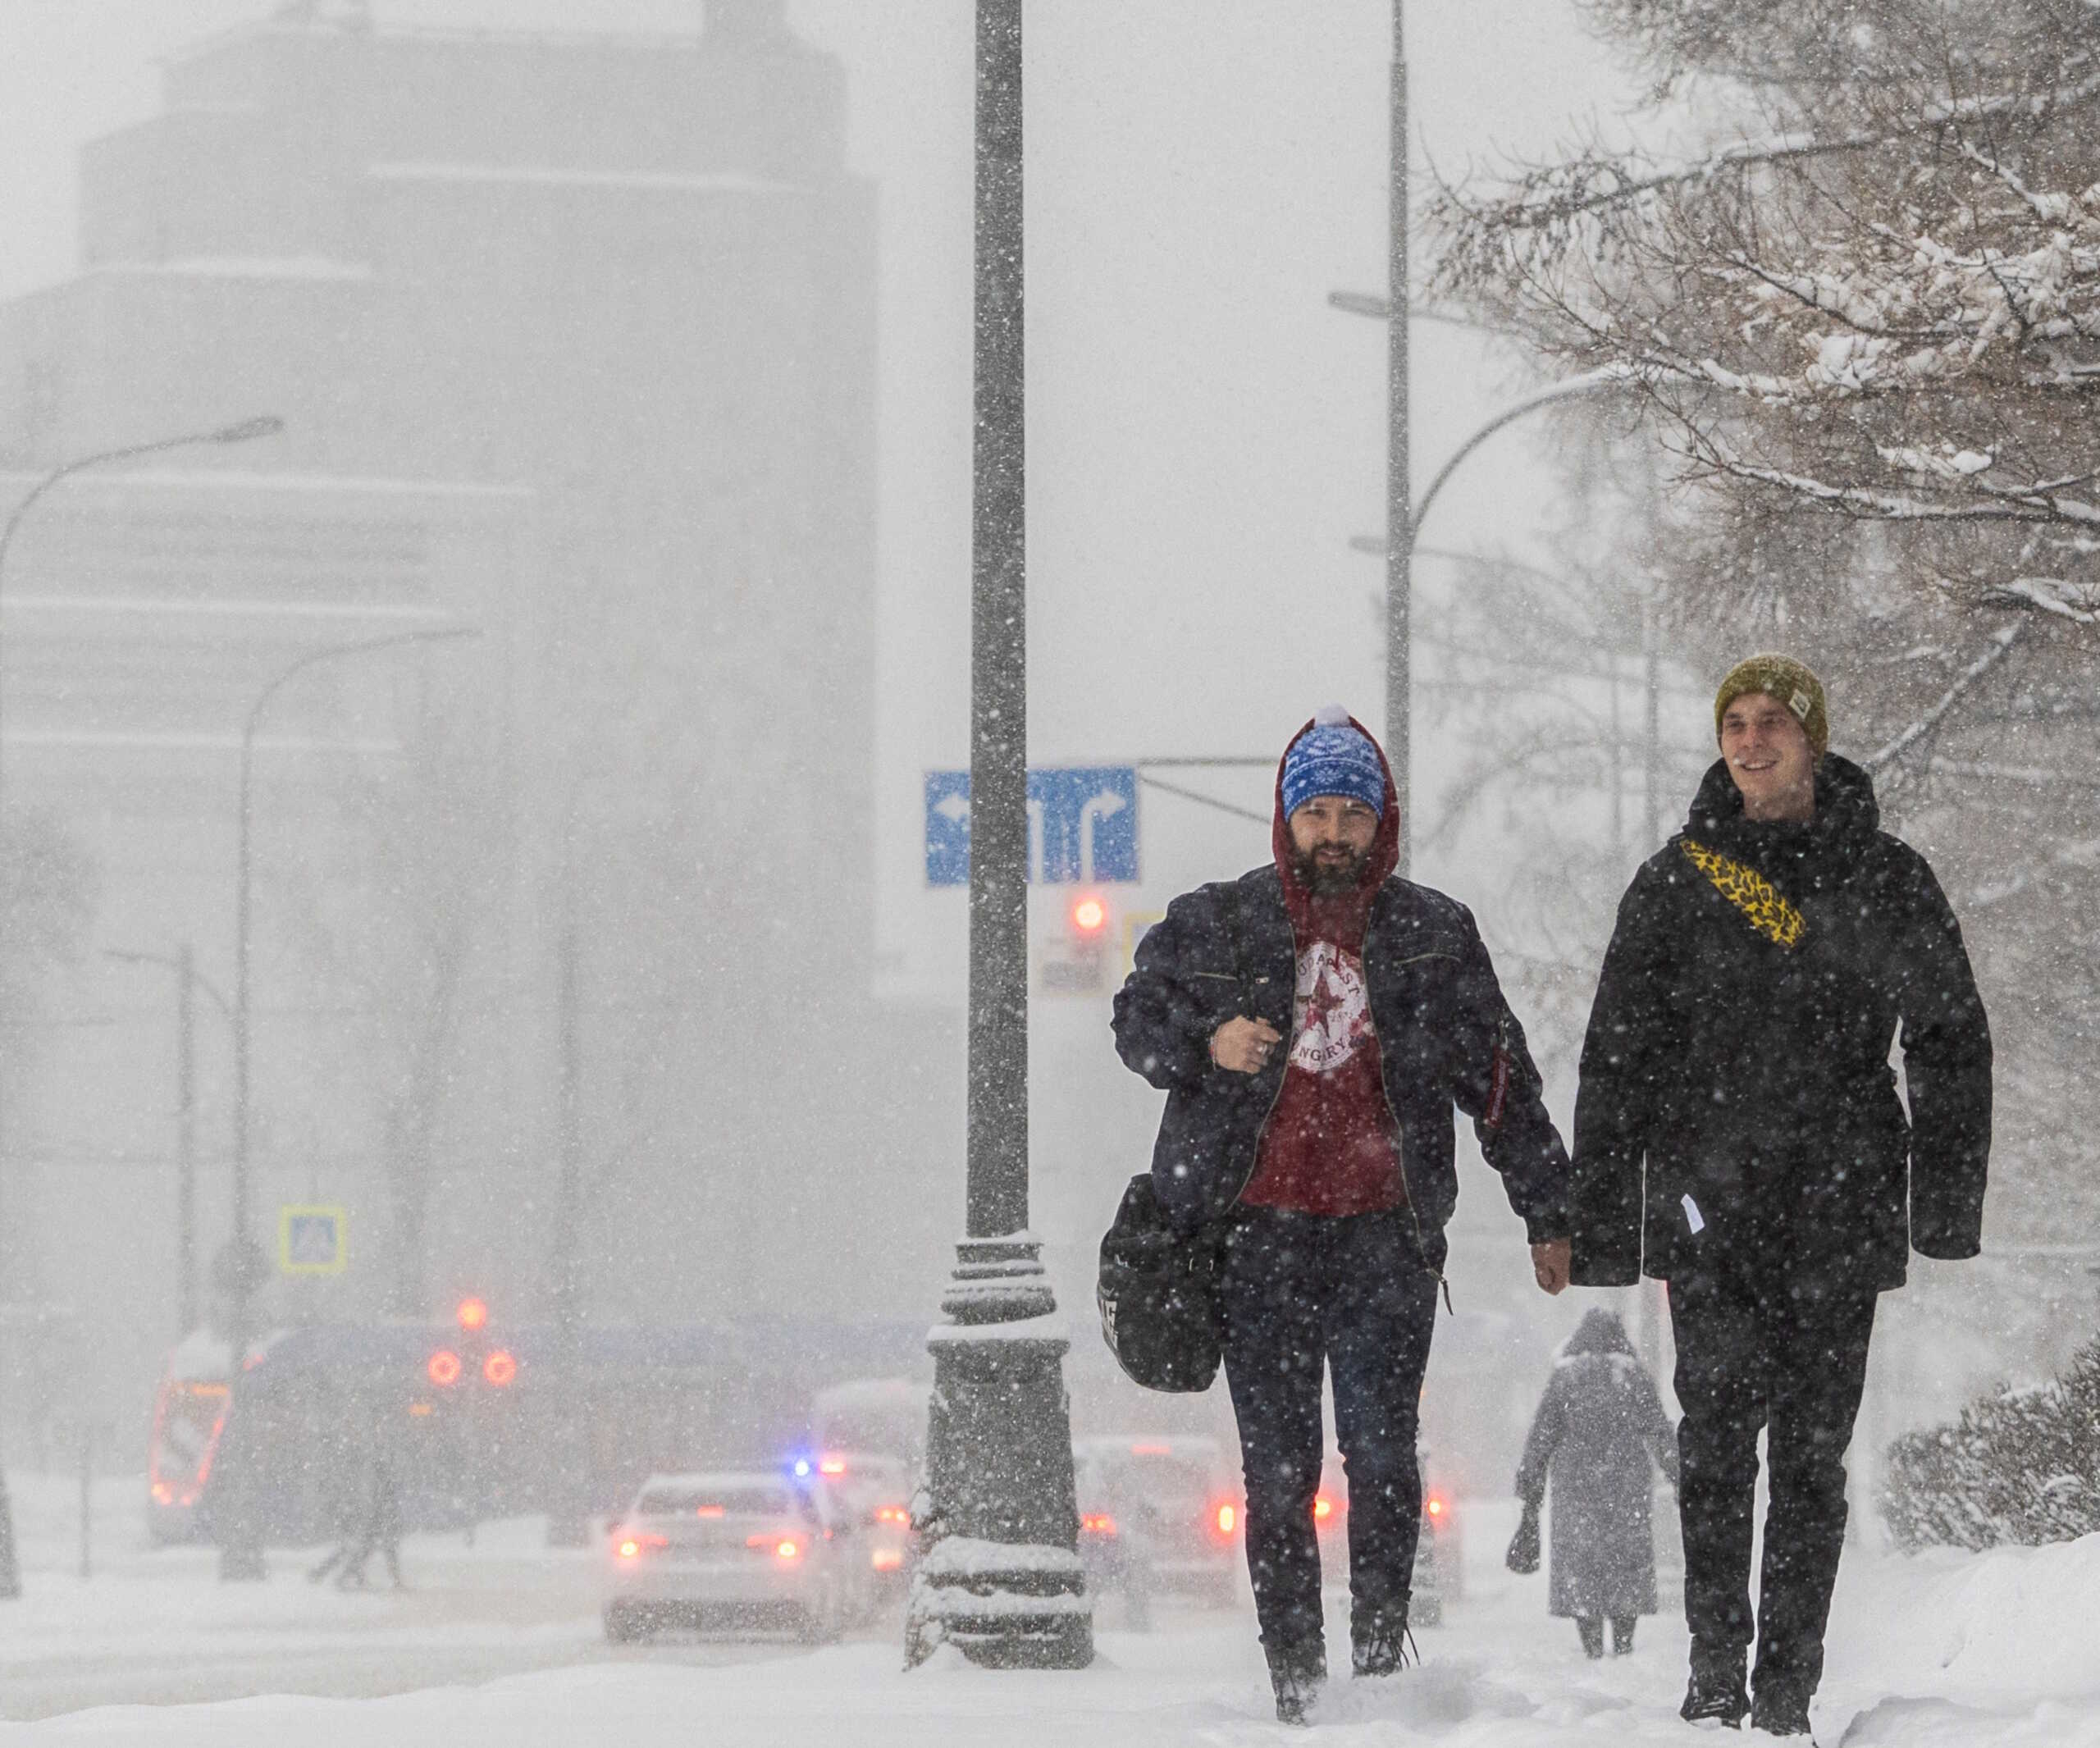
1872 291
1849 275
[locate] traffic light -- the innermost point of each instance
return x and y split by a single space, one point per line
473 1357
1076 963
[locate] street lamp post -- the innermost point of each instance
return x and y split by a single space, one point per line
266 425
1399 510
240 1546
189 980
998 1575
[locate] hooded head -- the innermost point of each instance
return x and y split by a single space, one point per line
1334 757
1599 1332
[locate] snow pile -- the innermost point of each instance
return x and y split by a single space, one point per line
1947 1649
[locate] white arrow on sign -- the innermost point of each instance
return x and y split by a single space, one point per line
1104 805
952 807
1036 839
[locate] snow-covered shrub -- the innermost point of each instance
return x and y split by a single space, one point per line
2022 1466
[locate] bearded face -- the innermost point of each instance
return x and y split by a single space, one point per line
1331 871
1330 838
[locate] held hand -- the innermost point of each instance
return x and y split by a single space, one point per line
1550 1264
1244 1045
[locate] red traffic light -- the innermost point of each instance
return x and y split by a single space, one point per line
474 1314
498 1368
1089 915
444 1368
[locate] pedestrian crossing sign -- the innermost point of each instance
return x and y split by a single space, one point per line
310 1240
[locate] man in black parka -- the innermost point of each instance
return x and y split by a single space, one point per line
1738 1134
1312 1024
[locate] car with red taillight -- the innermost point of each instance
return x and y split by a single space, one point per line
875 1490
1158 1514
750 1550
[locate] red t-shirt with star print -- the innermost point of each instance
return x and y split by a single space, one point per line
1330 1145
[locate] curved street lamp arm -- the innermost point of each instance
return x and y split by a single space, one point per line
335 651
1611 376
264 425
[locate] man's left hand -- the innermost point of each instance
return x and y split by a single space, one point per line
1550 1264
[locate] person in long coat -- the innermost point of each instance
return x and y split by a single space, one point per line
1599 1426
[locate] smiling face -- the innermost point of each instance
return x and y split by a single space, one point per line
1769 757
1333 835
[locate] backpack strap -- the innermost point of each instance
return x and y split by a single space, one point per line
1764 906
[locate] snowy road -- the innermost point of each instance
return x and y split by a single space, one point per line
499 1645
152 1626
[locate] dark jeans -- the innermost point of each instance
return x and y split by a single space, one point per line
1789 1358
1302 1294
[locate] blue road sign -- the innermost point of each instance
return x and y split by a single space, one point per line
1082 825
947 827
310 1240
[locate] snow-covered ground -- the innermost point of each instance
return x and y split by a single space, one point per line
499 1645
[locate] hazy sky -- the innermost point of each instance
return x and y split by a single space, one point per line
1205 432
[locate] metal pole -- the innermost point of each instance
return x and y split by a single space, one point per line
240 1543
185 1136
998 655
87 1496
567 1505
1400 507
1651 733
239 1536
264 425
998 1575
189 981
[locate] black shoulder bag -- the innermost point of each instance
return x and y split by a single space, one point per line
1157 1290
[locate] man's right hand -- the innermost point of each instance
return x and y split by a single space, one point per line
1244 1046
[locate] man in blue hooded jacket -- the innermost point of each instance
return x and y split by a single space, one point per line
1312 1024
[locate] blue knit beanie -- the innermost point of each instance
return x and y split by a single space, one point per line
1333 757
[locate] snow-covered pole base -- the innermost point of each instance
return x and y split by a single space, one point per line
998 1575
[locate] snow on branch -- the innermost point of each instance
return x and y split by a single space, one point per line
2078 602
1597 182
2002 645
2051 209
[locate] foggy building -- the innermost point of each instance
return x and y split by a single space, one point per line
574 340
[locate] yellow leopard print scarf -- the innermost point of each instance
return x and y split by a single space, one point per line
1761 903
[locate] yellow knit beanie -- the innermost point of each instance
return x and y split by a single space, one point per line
1791 682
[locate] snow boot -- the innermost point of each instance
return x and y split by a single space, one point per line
1591 1628
1380 1645
1715 1694
1781 1711
1621 1634
1295 1673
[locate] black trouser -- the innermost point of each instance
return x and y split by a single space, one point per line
1304 1293
1791 1358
